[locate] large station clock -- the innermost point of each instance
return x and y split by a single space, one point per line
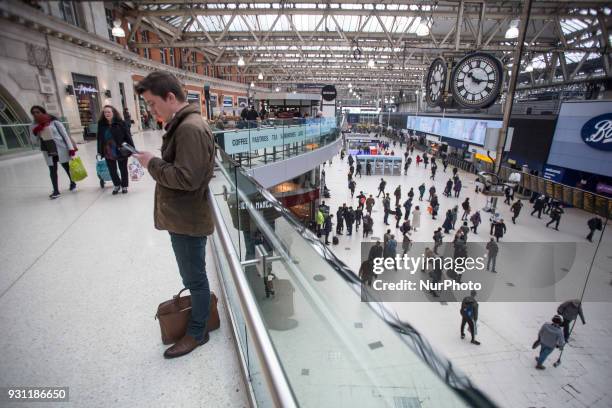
476 80
436 82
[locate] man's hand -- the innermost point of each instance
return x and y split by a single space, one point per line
144 158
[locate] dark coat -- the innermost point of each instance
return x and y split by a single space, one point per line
120 135
499 229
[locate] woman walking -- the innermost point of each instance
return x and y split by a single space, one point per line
55 143
112 133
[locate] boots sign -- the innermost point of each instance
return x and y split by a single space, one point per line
597 132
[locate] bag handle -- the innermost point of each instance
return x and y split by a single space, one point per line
178 295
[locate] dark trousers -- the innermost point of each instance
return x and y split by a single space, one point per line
537 211
123 169
349 229
326 237
470 323
381 191
590 236
53 173
566 328
555 220
190 253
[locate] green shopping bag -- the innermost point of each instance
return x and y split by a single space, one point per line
77 170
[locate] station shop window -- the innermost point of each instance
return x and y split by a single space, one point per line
87 98
164 59
194 98
109 23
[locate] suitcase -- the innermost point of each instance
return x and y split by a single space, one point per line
173 316
335 240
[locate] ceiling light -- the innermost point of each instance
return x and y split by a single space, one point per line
294 91
371 63
260 76
117 31
512 31
277 89
350 86
422 30
241 62
252 84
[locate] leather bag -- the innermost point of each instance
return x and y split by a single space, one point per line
173 316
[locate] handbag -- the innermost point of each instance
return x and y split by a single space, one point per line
135 169
102 170
77 170
173 316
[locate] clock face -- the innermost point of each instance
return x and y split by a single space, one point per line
436 81
476 80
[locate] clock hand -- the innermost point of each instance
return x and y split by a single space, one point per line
475 79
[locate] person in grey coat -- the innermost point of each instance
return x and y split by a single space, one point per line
492 250
549 337
570 310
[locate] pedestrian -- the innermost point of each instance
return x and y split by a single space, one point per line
381 187
492 250
425 159
390 251
358 169
411 194
351 160
376 251
369 204
319 220
455 212
386 237
455 170
112 133
358 217
398 215
516 210
406 244
421 191
181 203
466 209
465 230
594 223
445 163
555 216
435 206
437 238
432 192
448 222
569 311
366 272
508 193
349 219
405 227
127 119
457 187
387 208
368 169
499 229
56 145
538 206
448 188
340 221
549 337
433 171
416 218
327 227
352 186
418 160
469 316
475 220
368 224
407 207
398 195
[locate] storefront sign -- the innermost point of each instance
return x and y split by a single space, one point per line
329 93
603 188
597 132
553 173
228 101
85 89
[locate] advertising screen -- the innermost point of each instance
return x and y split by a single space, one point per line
583 137
472 131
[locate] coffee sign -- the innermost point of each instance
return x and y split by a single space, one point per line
597 132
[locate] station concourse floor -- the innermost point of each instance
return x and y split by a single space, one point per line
503 365
80 281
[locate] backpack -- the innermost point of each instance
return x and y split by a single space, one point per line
335 240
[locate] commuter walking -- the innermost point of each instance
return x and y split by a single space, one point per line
376 251
466 209
358 170
457 187
56 145
509 193
406 244
492 251
469 316
448 188
398 215
390 250
112 133
499 229
352 186
445 164
538 206
407 207
398 195
435 206
475 220
340 220
327 227
437 238
358 218
381 187
434 167
555 216
432 192
455 212
368 224
594 223
448 222
387 208
516 210
418 160
549 337
416 218
349 219
182 175
366 272
411 194
421 191
368 169
369 204
569 311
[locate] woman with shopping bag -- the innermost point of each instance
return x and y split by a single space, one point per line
55 143
112 133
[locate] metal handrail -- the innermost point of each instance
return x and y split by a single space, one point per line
275 377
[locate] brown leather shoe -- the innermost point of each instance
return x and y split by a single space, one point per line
185 346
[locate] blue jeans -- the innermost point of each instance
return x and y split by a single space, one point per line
544 353
190 253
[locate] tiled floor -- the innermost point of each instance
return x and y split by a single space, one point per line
503 366
80 281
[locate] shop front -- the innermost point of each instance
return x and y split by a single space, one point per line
88 102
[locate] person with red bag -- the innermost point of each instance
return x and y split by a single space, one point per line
55 143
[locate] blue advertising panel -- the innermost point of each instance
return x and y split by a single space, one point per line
583 137
553 173
472 131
